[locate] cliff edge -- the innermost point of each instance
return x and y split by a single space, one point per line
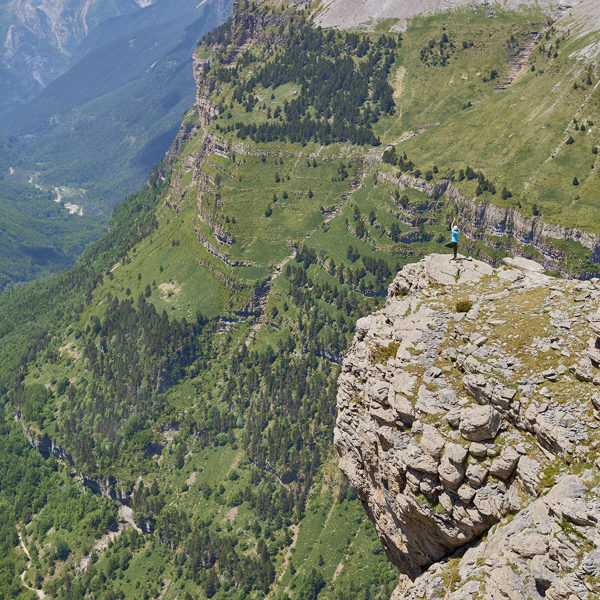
468 426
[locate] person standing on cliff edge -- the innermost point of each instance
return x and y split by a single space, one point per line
453 243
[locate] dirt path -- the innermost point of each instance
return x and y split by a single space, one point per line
327 519
339 568
288 554
39 593
398 84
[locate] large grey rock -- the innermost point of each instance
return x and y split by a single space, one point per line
451 474
476 474
455 453
504 466
434 472
479 423
529 543
432 442
524 264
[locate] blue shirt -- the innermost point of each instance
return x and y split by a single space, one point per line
455 233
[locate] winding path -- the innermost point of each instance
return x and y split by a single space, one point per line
40 593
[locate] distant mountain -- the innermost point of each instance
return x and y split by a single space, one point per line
104 122
40 40
95 131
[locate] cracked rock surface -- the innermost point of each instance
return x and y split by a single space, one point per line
471 437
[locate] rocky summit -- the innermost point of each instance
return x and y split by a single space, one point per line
467 423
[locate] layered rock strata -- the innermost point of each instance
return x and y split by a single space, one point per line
485 221
459 404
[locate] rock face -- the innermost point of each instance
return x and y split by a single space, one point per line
452 422
485 221
352 13
549 550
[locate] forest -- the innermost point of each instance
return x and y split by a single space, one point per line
343 81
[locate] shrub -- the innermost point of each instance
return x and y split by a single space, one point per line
463 306
575 181
381 354
268 212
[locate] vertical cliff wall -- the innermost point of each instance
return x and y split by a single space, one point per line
471 394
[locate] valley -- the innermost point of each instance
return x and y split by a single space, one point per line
97 126
188 364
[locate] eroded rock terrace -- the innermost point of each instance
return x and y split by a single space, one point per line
473 393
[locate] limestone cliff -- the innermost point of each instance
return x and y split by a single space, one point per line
467 424
489 223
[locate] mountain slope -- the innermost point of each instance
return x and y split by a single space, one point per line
185 371
92 135
363 13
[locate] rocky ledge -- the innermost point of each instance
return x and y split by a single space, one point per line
468 414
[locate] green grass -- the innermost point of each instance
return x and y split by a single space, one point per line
516 136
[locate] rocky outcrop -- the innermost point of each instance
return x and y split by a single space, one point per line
44 445
110 487
458 406
205 86
186 132
483 218
549 550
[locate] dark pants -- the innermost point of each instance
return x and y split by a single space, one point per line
453 245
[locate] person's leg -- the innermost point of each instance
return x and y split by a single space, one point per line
455 250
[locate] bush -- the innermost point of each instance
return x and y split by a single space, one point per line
268 212
463 306
381 354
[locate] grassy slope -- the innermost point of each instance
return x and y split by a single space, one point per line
517 136
333 537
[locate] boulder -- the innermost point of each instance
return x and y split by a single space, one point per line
529 543
478 423
431 441
403 407
451 475
476 474
504 466
524 264
455 453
